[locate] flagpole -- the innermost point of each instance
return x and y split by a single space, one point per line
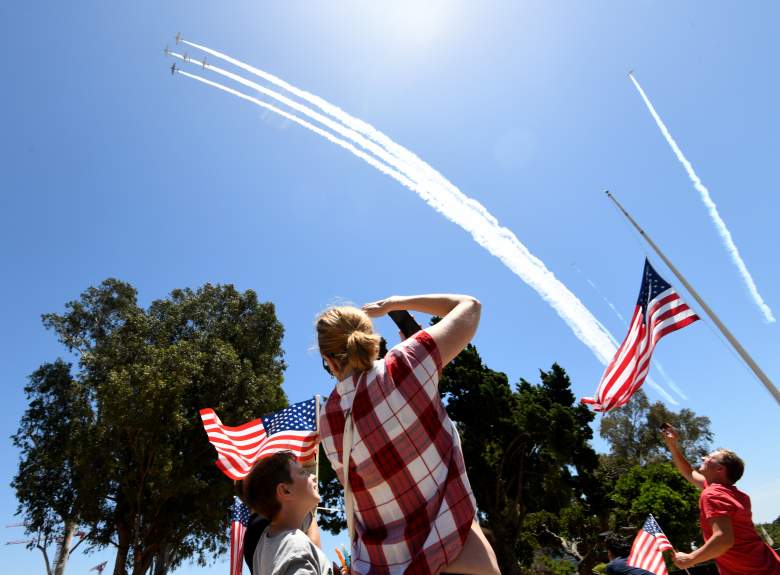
723 329
317 452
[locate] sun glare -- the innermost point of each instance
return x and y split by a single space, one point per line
416 25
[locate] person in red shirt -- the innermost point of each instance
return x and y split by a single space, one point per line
725 514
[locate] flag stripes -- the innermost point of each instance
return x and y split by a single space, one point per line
238 448
648 547
659 311
239 519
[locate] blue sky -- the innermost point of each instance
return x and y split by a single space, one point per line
112 168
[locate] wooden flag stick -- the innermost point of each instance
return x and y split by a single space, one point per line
317 453
763 378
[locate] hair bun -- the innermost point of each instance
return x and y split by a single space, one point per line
362 348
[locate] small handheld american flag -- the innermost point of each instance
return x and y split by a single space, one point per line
293 428
659 311
648 547
239 519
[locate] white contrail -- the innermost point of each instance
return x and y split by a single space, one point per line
601 295
720 225
442 196
499 241
669 380
353 123
309 126
409 170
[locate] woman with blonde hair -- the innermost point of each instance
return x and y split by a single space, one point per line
409 505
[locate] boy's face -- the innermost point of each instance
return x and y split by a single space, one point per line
304 485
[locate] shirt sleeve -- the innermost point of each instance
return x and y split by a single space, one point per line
717 503
298 564
298 557
418 357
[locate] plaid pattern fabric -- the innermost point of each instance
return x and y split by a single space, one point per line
413 502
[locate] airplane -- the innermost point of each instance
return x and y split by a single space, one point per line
173 68
204 63
178 37
186 57
631 72
167 51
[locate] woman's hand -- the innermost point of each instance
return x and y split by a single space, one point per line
380 307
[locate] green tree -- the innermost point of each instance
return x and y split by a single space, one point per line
153 490
770 532
659 489
528 457
52 437
633 432
636 471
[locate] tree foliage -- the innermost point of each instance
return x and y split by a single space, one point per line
633 432
53 468
659 489
637 473
527 453
152 489
770 532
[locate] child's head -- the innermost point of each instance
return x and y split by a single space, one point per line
279 481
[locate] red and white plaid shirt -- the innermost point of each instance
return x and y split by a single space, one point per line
413 502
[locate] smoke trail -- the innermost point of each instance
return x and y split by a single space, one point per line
293 118
669 380
720 225
442 196
499 241
601 295
353 123
405 168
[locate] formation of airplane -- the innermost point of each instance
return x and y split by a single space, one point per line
185 57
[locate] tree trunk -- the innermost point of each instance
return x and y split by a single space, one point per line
122 549
63 549
161 561
45 558
501 541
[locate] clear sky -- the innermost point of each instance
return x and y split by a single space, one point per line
112 168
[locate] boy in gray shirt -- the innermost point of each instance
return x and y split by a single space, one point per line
279 488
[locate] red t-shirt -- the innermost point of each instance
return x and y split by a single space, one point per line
749 555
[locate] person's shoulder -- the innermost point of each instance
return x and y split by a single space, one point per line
417 349
617 566
296 540
720 490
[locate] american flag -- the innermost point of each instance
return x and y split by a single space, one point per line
659 311
239 519
648 547
293 428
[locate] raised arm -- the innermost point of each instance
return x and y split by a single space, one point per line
459 313
671 437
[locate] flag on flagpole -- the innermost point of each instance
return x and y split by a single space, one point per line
239 519
293 428
648 547
659 311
